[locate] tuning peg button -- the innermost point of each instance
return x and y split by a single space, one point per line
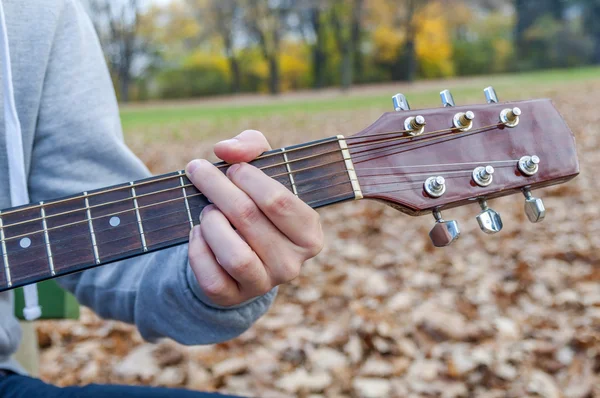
489 220
443 232
534 207
447 98
400 102
490 95
529 165
510 117
415 125
435 186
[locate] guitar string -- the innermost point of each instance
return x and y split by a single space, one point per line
130 236
417 144
157 192
174 176
181 211
130 198
223 165
392 175
356 155
86 220
389 175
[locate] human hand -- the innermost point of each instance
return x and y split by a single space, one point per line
275 232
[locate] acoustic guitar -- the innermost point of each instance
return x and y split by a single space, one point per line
419 162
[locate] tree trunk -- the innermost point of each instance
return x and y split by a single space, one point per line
410 60
319 56
593 15
347 67
234 68
355 37
124 83
408 64
273 74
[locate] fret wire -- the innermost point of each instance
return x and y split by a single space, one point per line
47 239
88 214
172 200
185 222
187 205
5 255
155 192
289 170
166 178
139 218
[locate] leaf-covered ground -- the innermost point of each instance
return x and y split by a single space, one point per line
380 312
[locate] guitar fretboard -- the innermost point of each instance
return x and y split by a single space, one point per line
49 239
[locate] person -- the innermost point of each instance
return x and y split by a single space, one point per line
57 92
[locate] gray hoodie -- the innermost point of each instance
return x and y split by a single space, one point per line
72 142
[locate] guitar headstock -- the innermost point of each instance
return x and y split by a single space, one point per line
434 159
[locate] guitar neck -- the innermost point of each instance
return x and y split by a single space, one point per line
50 239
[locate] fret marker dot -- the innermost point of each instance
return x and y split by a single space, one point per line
25 243
114 221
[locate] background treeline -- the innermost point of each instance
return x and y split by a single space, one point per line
193 48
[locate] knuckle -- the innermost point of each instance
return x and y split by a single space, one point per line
315 245
289 271
280 204
247 212
240 263
260 289
215 289
314 241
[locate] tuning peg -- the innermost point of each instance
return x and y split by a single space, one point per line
510 117
489 220
534 207
400 102
447 99
490 95
443 232
483 176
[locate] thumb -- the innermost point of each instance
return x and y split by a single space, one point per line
247 146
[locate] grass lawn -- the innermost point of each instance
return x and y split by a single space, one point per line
139 117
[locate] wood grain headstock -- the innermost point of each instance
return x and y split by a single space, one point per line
393 165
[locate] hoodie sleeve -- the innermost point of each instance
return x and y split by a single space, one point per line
79 146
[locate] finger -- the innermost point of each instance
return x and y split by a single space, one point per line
275 250
233 253
297 220
245 147
217 284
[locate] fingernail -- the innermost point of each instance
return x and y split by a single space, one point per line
233 168
194 233
205 210
191 166
230 141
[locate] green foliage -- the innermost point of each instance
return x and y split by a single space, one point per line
200 75
553 44
484 46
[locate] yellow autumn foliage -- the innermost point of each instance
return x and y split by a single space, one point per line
203 59
386 42
433 46
294 66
